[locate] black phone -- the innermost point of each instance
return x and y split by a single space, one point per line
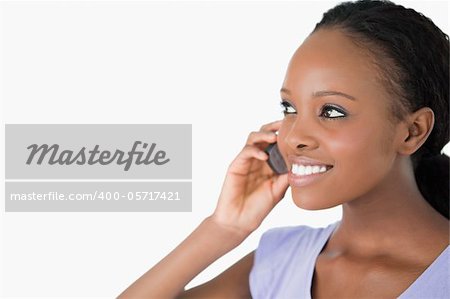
276 161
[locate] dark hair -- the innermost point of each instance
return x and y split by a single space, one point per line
412 56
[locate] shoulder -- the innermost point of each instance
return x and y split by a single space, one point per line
433 282
277 244
288 235
284 252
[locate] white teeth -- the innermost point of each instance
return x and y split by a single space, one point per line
308 169
301 170
315 169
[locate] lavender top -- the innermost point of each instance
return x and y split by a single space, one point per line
284 262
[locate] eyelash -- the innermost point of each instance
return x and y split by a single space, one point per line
286 105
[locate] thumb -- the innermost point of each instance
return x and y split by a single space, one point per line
279 186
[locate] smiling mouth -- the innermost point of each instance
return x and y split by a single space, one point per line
305 170
303 175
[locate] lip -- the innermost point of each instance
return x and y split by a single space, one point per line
305 161
301 181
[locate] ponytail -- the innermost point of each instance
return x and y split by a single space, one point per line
432 177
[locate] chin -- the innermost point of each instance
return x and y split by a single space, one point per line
312 202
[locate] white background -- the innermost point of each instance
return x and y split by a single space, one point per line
218 66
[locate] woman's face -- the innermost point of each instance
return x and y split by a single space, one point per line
336 115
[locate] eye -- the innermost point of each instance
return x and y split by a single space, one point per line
287 108
332 112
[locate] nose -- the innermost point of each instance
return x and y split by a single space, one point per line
301 136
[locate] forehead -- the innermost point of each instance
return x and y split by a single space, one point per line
329 59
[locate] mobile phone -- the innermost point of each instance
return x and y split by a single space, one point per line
275 161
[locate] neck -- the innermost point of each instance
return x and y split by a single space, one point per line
391 217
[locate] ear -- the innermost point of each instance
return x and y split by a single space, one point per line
418 127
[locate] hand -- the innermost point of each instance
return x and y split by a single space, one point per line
251 189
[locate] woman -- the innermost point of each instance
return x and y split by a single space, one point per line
365 101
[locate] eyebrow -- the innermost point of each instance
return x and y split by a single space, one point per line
324 93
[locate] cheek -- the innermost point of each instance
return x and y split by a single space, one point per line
361 157
361 148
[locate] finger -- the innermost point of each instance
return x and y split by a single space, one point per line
257 137
251 151
280 185
241 164
273 126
